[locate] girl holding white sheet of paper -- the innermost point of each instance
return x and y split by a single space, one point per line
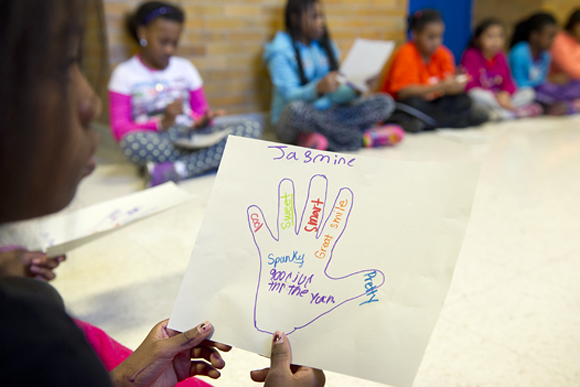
310 106
157 98
41 344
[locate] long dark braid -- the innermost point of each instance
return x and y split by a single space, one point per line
297 8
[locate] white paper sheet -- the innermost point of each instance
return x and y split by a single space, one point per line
202 140
365 60
356 277
66 232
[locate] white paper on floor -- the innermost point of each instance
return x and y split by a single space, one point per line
351 256
66 232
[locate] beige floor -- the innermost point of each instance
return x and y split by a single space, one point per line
512 317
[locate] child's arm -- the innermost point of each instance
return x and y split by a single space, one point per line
120 117
286 80
198 103
520 69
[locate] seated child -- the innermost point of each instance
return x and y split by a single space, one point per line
423 79
491 86
157 98
530 62
310 107
565 70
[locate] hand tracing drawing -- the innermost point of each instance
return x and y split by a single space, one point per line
294 285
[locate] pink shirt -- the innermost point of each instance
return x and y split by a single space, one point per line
138 95
487 74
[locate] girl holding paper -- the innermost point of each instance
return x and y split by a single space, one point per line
47 110
310 105
157 98
423 79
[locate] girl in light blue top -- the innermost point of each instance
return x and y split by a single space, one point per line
530 62
310 106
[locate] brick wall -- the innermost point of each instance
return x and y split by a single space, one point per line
225 38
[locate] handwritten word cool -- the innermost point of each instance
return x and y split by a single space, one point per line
314 218
370 288
310 157
295 258
288 211
256 223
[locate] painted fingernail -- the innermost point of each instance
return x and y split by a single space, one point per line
278 338
37 261
205 327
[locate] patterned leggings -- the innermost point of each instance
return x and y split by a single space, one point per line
148 146
342 125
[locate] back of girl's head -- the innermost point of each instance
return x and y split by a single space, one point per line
151 10
536 22
481 28
419 19
573 20
38 41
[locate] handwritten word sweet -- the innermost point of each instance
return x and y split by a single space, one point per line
311 157
321 254
256 223
288 220
370 288
295 258
313 221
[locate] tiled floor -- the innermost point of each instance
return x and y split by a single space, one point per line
512 317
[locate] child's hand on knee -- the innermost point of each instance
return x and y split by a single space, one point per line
171 111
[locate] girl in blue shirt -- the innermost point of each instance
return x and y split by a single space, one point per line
530 61
310 107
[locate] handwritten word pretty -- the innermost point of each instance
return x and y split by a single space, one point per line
295 258
314 218
370 288
288 211
310 157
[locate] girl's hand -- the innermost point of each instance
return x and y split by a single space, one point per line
505 100
328 84
453 86
165 358
209 115
31 264
282 373
171 111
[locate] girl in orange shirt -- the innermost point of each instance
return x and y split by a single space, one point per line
423 80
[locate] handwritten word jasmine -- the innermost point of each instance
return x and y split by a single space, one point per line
310 157
295 258
370 288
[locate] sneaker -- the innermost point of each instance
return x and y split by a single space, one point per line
531 110
161 173
557 109
313 141
387 135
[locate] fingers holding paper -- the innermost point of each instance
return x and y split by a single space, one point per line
282 373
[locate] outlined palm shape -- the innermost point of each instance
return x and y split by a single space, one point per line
294 287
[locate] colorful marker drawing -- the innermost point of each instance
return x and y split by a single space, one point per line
294 261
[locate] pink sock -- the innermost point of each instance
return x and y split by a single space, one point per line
383 136
313 141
